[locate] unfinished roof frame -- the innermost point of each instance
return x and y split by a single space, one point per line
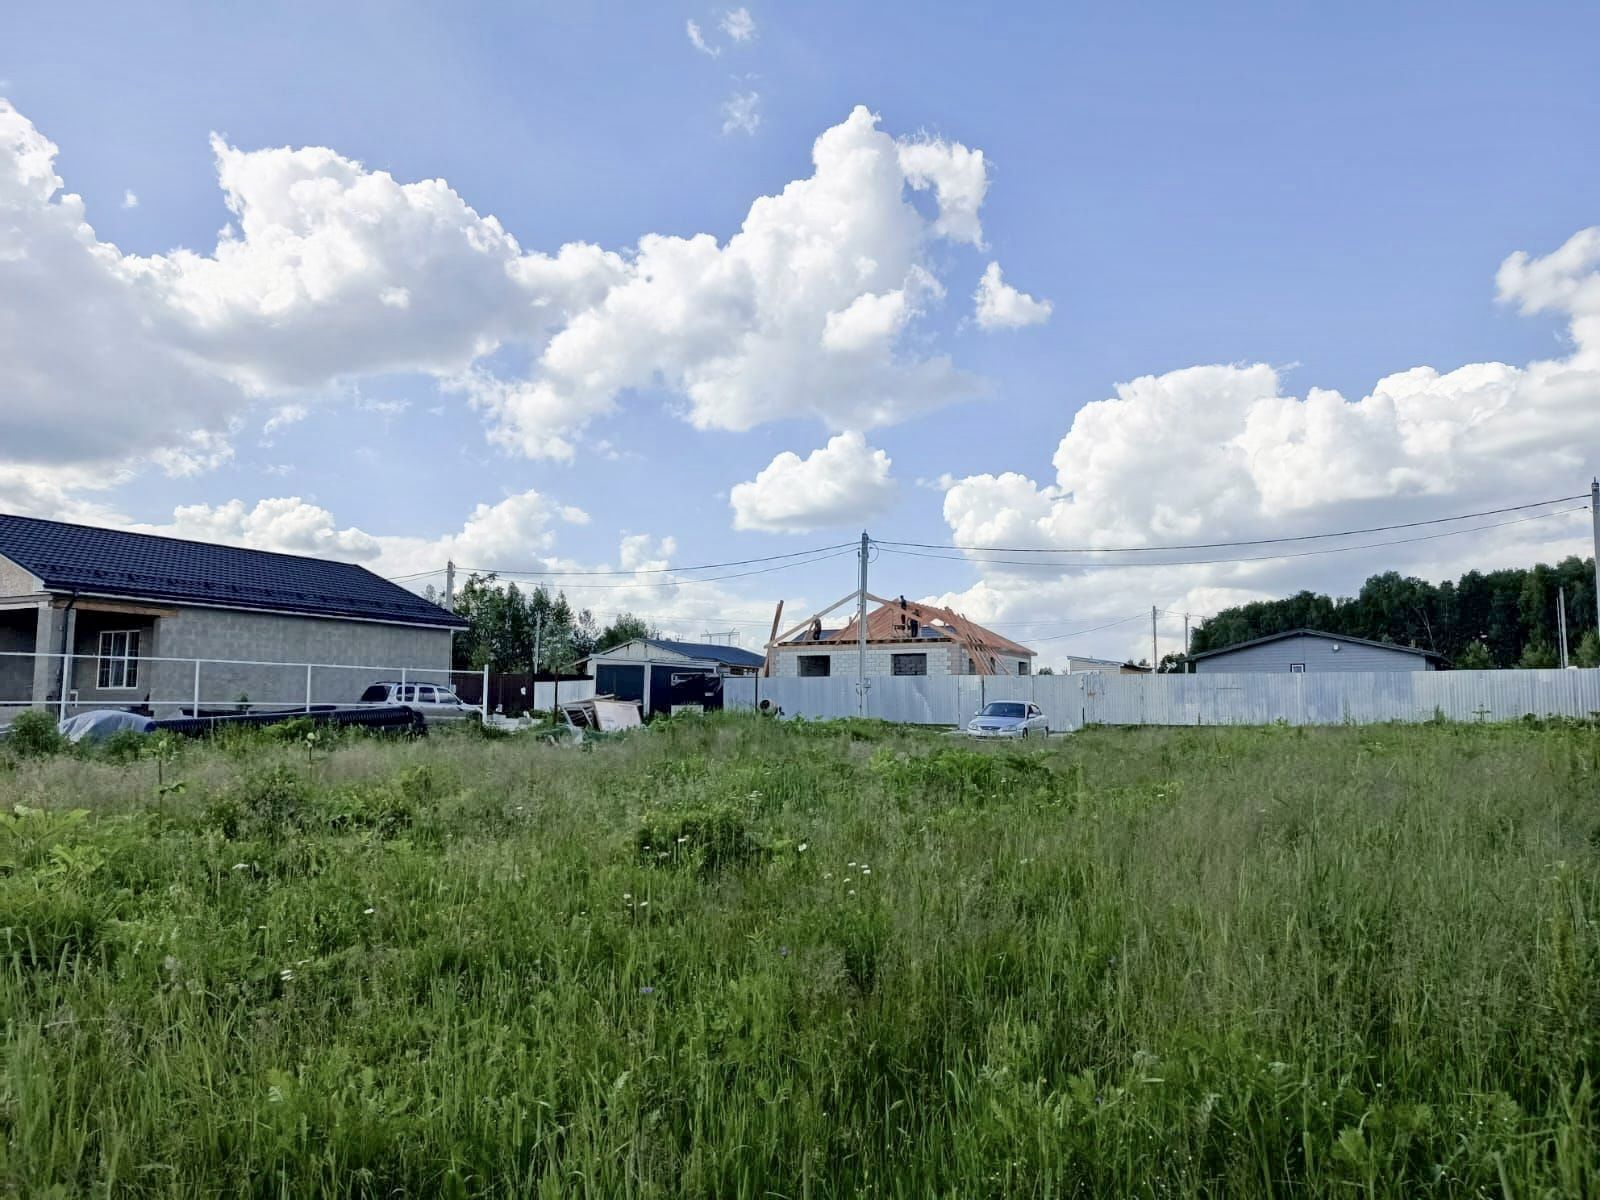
890 623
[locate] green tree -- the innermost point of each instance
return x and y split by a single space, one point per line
625 628
1537 655
1588 652
1473 657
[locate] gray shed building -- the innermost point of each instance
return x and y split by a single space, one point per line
662 673
130 620
1299 650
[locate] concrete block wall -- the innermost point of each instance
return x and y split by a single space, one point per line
942 658
14 581
377 651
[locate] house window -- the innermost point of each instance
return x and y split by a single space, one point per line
1022 666
119 659
814 666
1297 668
908 664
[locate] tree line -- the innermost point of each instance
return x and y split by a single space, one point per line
1504 618
536 631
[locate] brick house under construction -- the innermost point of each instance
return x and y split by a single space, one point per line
903 638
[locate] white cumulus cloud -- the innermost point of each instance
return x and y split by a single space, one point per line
998 305
129 199
844 482
1228 453
330 271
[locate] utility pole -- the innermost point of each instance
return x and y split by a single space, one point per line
1561 623
1185 643
450 585
1594 511
538 633
1155 654
862 684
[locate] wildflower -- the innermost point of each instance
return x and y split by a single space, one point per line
866 870
647 991
682 838
827 874
783 952
627 895
369 911
241 866
644 904
851 863
852 892
287 974
804 846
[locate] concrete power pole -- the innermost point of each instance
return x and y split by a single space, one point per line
1561 623
1155 654
862 684
538 635
1594 511
1186 643
450 586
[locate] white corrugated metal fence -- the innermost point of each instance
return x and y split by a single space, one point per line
1095 698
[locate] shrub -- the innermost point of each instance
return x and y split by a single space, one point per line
709 839
272 798
124 746
35 734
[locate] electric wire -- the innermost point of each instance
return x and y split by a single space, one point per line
1303 537
1200 562
737 562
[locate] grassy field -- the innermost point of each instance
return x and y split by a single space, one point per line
730 959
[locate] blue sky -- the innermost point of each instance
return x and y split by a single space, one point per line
1326 190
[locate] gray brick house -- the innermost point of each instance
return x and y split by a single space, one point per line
130 620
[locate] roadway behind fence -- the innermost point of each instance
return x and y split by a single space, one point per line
1095 698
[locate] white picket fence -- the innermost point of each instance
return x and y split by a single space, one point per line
1096 698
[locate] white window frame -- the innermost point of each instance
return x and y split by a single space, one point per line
1297 668
112 667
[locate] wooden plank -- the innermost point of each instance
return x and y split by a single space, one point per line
766 664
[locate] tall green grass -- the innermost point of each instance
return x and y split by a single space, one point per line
735 959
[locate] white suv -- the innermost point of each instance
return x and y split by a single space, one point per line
436 702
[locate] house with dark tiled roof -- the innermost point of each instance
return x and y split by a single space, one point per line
105 618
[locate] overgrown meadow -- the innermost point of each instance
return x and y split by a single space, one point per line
728 958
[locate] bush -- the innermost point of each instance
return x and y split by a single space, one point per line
708 839
125 746
272 799
34 734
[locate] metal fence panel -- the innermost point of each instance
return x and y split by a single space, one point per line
1071 701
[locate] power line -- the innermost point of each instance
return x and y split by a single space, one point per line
1304 537
671 583
737 562
1199 562
1061 637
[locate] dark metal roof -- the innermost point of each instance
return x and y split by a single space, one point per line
731 656
81 558
708 652
1318 633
